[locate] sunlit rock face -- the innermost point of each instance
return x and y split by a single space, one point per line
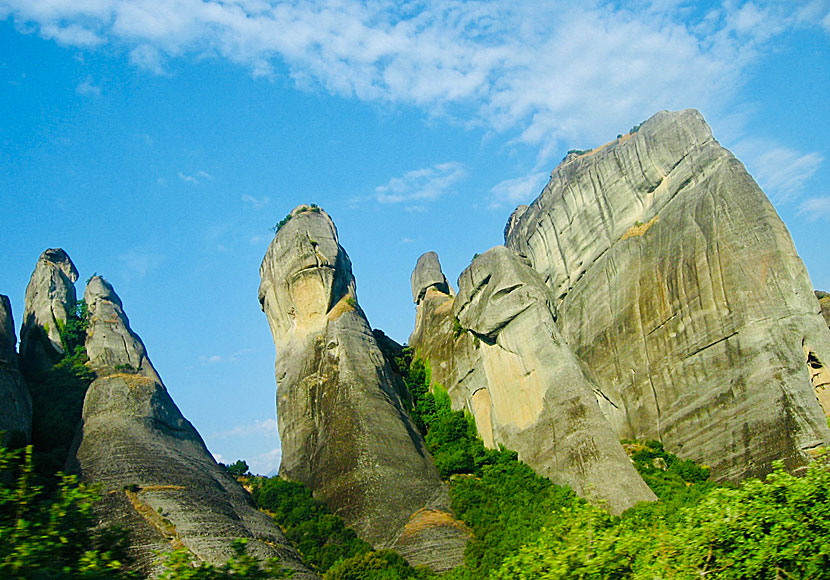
344 430
50 300
678 286
158 479
15 400
497 350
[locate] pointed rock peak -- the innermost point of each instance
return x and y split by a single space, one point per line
513 220
50 301
306 276
111 344
8 340
427 274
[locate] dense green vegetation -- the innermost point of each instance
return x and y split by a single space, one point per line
321 537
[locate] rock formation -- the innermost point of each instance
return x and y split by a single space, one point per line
499 353
15 400
344 430
679 287
50 300
824 304
159 480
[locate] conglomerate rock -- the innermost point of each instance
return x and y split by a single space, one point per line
50 300
497 350
15 400
343 427
158 479
679 287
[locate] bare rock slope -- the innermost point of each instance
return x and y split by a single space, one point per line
15 400
679 287
158 479
344 430
499 353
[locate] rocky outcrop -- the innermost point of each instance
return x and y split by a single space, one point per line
344 430
824 304
497 350
678 286
111 345
427 274
50 300
158 479
15 400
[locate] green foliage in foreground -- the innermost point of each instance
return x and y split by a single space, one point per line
777 528
321 537
380 565
181 565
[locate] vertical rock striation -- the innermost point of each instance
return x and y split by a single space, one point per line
344 430
159 480
678 286
15 400
50 300
497 350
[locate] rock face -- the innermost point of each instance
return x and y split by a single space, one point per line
15 400
678 286
159 480
50 299
502 358
344 430
427 274
824 303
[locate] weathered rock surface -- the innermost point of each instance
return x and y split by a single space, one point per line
427 274
50 299
679 287
497 350
111 345
344 430
15 400
159 480
824 304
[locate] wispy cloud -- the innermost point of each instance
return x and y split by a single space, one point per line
517 190
252 202
780 171
545 72
139 262
226 358
815 208
195 179
265 427
421 184
88 88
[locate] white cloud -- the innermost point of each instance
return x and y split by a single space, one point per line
545 72
815 208
780 171
265 427
266 463
421 184
252 202
139 262
88 88
218 358
195 179
517 190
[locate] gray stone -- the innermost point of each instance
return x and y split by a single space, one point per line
428 274
503 360
111 345
824 304
158 479
679 287
344 429
15 400
50 300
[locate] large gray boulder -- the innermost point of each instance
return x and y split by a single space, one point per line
158 479
427 274
50 300
15 400
343 427
497 350
679 287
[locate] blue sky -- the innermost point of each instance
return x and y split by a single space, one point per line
157 141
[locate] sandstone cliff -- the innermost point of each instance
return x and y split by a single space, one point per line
50 300
498 351
344 430
679 287
15 400
158 479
